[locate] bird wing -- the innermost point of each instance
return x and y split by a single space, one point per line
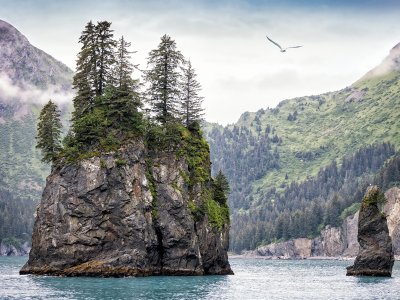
294 47
274 43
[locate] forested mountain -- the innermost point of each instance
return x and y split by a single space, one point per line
28 77
297 167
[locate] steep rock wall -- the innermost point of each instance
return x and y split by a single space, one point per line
121 215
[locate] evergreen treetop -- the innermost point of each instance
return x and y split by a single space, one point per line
190 104
221 188
163 77
49 132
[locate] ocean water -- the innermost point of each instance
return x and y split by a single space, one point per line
253 279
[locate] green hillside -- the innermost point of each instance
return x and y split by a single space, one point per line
294 142
329 127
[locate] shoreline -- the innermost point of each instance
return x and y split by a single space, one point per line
241 256
253 256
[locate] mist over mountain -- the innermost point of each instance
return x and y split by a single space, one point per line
391 63
28 78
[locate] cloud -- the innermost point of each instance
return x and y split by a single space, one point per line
26 93
225 40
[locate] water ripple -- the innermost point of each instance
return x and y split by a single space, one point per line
253 279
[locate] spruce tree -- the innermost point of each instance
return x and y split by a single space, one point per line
124 67
49 132
163 78
122 101
221 188
93 66
94 74
85 78
105 56
190 105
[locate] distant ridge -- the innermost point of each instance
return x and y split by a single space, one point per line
25 64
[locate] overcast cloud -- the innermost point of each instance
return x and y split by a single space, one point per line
238 69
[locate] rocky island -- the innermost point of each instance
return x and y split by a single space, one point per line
129 195
107 218
375 257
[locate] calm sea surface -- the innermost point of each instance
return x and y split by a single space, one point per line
253 279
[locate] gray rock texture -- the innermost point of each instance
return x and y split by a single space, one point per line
297 248
392 212
121 215
376 256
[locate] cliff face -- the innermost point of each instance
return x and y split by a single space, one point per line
338 241
125 214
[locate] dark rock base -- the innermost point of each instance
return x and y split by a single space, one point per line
367 272
101 269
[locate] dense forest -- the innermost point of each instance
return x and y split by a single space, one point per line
303 209
244 157
295 208
16 215
302 165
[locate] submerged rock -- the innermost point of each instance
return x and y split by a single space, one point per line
375 257
121 215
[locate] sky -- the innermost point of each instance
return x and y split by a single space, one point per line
239 70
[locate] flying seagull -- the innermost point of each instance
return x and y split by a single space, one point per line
282 49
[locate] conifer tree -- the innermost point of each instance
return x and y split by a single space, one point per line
124 67
49 132
123 99
190 104
163 78
105 56
85 78
93 66
221 188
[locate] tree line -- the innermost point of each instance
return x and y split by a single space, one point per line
304 209
16 214
110 105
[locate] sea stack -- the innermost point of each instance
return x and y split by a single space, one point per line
375 257
129 213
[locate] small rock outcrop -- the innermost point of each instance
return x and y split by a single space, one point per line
12 249
127 214
296 249
376 256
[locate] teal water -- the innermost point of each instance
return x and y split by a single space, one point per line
253 279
